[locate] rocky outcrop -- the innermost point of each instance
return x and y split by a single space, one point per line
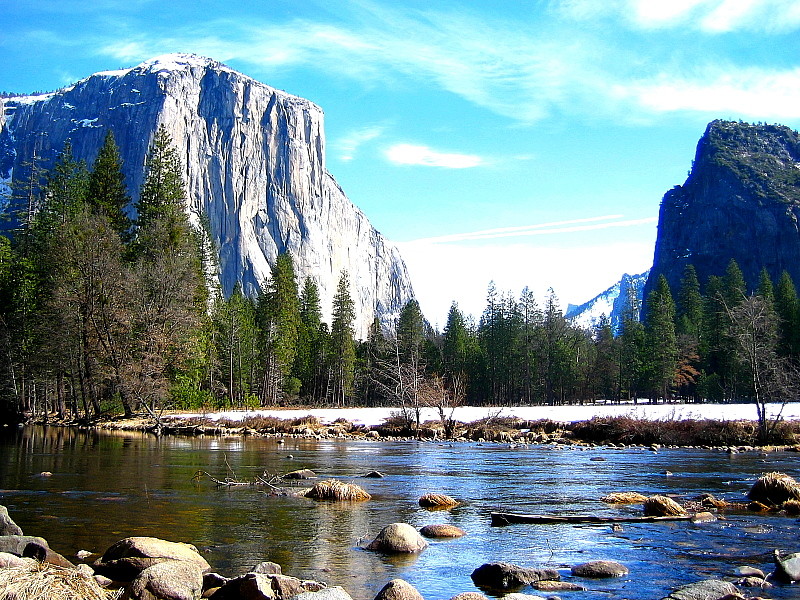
741 201
255 170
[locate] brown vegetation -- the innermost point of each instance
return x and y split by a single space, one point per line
624 498
43 581
661 506
437 501
333 489
773 489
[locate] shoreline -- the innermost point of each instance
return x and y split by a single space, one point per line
729 427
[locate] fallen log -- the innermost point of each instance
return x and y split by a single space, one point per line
499 519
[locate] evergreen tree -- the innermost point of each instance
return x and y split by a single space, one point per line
788 310
411 332
661 340
107 193
310 357
455 344
163 195
236 341
343 354
280 322
689 308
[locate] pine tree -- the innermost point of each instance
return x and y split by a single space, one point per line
661 340
788 310
280 321
107 193
309 359
343 353
689 308
160 208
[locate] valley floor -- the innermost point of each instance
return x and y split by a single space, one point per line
565 414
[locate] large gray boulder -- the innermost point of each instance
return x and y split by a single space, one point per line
168 580
125 559
503 576
787 566
7 525
708 589
398 538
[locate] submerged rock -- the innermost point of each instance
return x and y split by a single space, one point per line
708 589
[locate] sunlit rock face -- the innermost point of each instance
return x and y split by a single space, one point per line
254 160
741 201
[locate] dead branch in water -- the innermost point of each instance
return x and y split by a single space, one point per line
264 479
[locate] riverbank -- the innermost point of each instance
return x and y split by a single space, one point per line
729 426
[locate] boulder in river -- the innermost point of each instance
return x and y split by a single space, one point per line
600 569
7 525
502 576
125 559
442 530
787 566
397 538
168 580
399 589
707 589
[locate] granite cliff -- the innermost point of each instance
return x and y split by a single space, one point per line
621 300
255 171
741 201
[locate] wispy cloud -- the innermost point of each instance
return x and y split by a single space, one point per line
411 154
753 93
512 69
556 227
709 16
349 144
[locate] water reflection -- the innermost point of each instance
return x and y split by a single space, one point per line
105 486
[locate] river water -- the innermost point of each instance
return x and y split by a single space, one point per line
109 485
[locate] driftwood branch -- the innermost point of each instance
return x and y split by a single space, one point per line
500 519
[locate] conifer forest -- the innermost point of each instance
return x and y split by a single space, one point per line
104 315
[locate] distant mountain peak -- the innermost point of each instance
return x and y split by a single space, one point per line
622 298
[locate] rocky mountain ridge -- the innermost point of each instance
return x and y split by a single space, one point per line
621 299
740 201
255 171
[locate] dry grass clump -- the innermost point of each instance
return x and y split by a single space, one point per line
437 501
44 581
624 498
791 507
333 489
661 506
773 489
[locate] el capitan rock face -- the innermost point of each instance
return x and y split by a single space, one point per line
254 161
741 201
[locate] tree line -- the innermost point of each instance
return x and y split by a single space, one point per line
102 314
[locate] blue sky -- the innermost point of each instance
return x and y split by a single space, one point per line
526 142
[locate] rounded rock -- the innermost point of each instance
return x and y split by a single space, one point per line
398 538
442 531
597 569
398 589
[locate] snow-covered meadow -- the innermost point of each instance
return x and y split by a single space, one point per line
566 414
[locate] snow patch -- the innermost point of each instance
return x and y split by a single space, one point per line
92 123
562 414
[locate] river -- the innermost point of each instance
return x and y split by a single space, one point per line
109 485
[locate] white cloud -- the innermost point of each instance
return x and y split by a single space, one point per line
349 144
411 154
750 93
